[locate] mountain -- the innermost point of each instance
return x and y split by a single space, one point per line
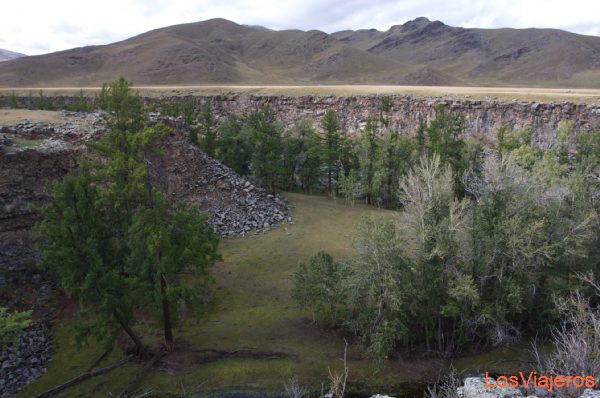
544 57
420 52
216 51
5 55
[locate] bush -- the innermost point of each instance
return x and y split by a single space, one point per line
12 324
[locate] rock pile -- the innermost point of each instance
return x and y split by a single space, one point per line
235 204
474 387
74 127
25 360
4 141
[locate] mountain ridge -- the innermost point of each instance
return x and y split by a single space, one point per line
6 55
418 52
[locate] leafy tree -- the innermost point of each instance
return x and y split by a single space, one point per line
164 242
350 185
12 100
377 280
125 111
301 156
317 285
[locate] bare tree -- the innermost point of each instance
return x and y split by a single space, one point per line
576 345
337 381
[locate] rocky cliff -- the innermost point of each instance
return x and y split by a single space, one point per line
483 117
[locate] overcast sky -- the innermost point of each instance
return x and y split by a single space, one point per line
41 26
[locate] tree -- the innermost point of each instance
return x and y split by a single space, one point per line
317 285
301 156
332 145
309 162
234 146
377 281
113 239
369 158
164 242
86 258
385 106
208 130
265 133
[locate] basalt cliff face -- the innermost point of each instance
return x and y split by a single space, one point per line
483 117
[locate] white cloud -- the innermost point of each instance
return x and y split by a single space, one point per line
38 26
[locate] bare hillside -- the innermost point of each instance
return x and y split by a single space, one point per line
419 52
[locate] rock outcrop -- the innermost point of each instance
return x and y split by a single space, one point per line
474 387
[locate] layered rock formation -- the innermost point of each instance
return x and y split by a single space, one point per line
483 117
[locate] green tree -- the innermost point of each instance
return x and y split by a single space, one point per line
113 239
332 146
369 158
301 156
86 258
234 146
309 162
385 106
265 133
317 285
207 128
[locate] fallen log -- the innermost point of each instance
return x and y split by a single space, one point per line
84 376
136 377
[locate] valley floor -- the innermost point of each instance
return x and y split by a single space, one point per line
252 308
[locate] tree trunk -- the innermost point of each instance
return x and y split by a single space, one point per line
329 180
141 349
169 343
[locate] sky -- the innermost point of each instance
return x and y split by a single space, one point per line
41 26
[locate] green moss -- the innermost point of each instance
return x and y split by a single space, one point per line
26 143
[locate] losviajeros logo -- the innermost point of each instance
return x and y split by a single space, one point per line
532 379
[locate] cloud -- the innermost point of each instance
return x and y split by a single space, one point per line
38 26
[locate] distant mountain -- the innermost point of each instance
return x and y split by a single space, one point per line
488 56
420 52
6 55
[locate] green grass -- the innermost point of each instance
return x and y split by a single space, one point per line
252 307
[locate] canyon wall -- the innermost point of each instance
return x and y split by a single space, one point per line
483 117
